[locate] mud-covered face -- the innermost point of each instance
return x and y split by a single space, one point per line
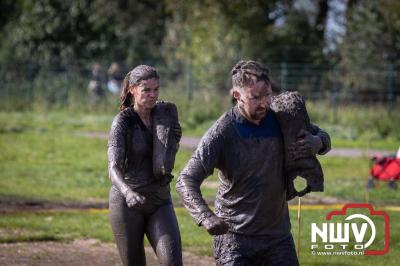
254 101
146 93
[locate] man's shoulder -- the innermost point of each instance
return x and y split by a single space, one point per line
222 126
224 122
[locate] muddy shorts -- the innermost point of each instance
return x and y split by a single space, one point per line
235 249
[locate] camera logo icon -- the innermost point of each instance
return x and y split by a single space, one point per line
355 232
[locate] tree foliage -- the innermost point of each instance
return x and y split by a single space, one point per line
211 36
201 40
60 32
370 51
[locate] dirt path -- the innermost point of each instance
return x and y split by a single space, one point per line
15 204
79 252
191 143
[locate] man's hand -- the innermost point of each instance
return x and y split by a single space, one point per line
134 199
215 225
307 145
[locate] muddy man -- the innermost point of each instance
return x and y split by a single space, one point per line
251 224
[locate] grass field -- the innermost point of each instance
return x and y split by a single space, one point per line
44 157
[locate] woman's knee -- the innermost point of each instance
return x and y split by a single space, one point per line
164 236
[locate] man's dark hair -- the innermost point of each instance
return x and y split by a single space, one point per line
247 73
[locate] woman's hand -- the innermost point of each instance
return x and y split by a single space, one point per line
134 199
307 145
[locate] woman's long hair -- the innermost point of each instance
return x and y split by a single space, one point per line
133 78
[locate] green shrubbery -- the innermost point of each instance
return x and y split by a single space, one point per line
366 123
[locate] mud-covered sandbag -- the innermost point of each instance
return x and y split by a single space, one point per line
292 116
166 136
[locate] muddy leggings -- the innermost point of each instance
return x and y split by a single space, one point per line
157 222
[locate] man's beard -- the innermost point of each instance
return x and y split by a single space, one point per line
258 114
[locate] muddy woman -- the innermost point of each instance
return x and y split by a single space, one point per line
140 200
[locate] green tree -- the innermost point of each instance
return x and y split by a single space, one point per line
57 32
207 38
370 51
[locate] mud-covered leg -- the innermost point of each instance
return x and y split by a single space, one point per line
163 233
128 227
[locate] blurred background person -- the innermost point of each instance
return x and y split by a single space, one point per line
115 77
95 88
